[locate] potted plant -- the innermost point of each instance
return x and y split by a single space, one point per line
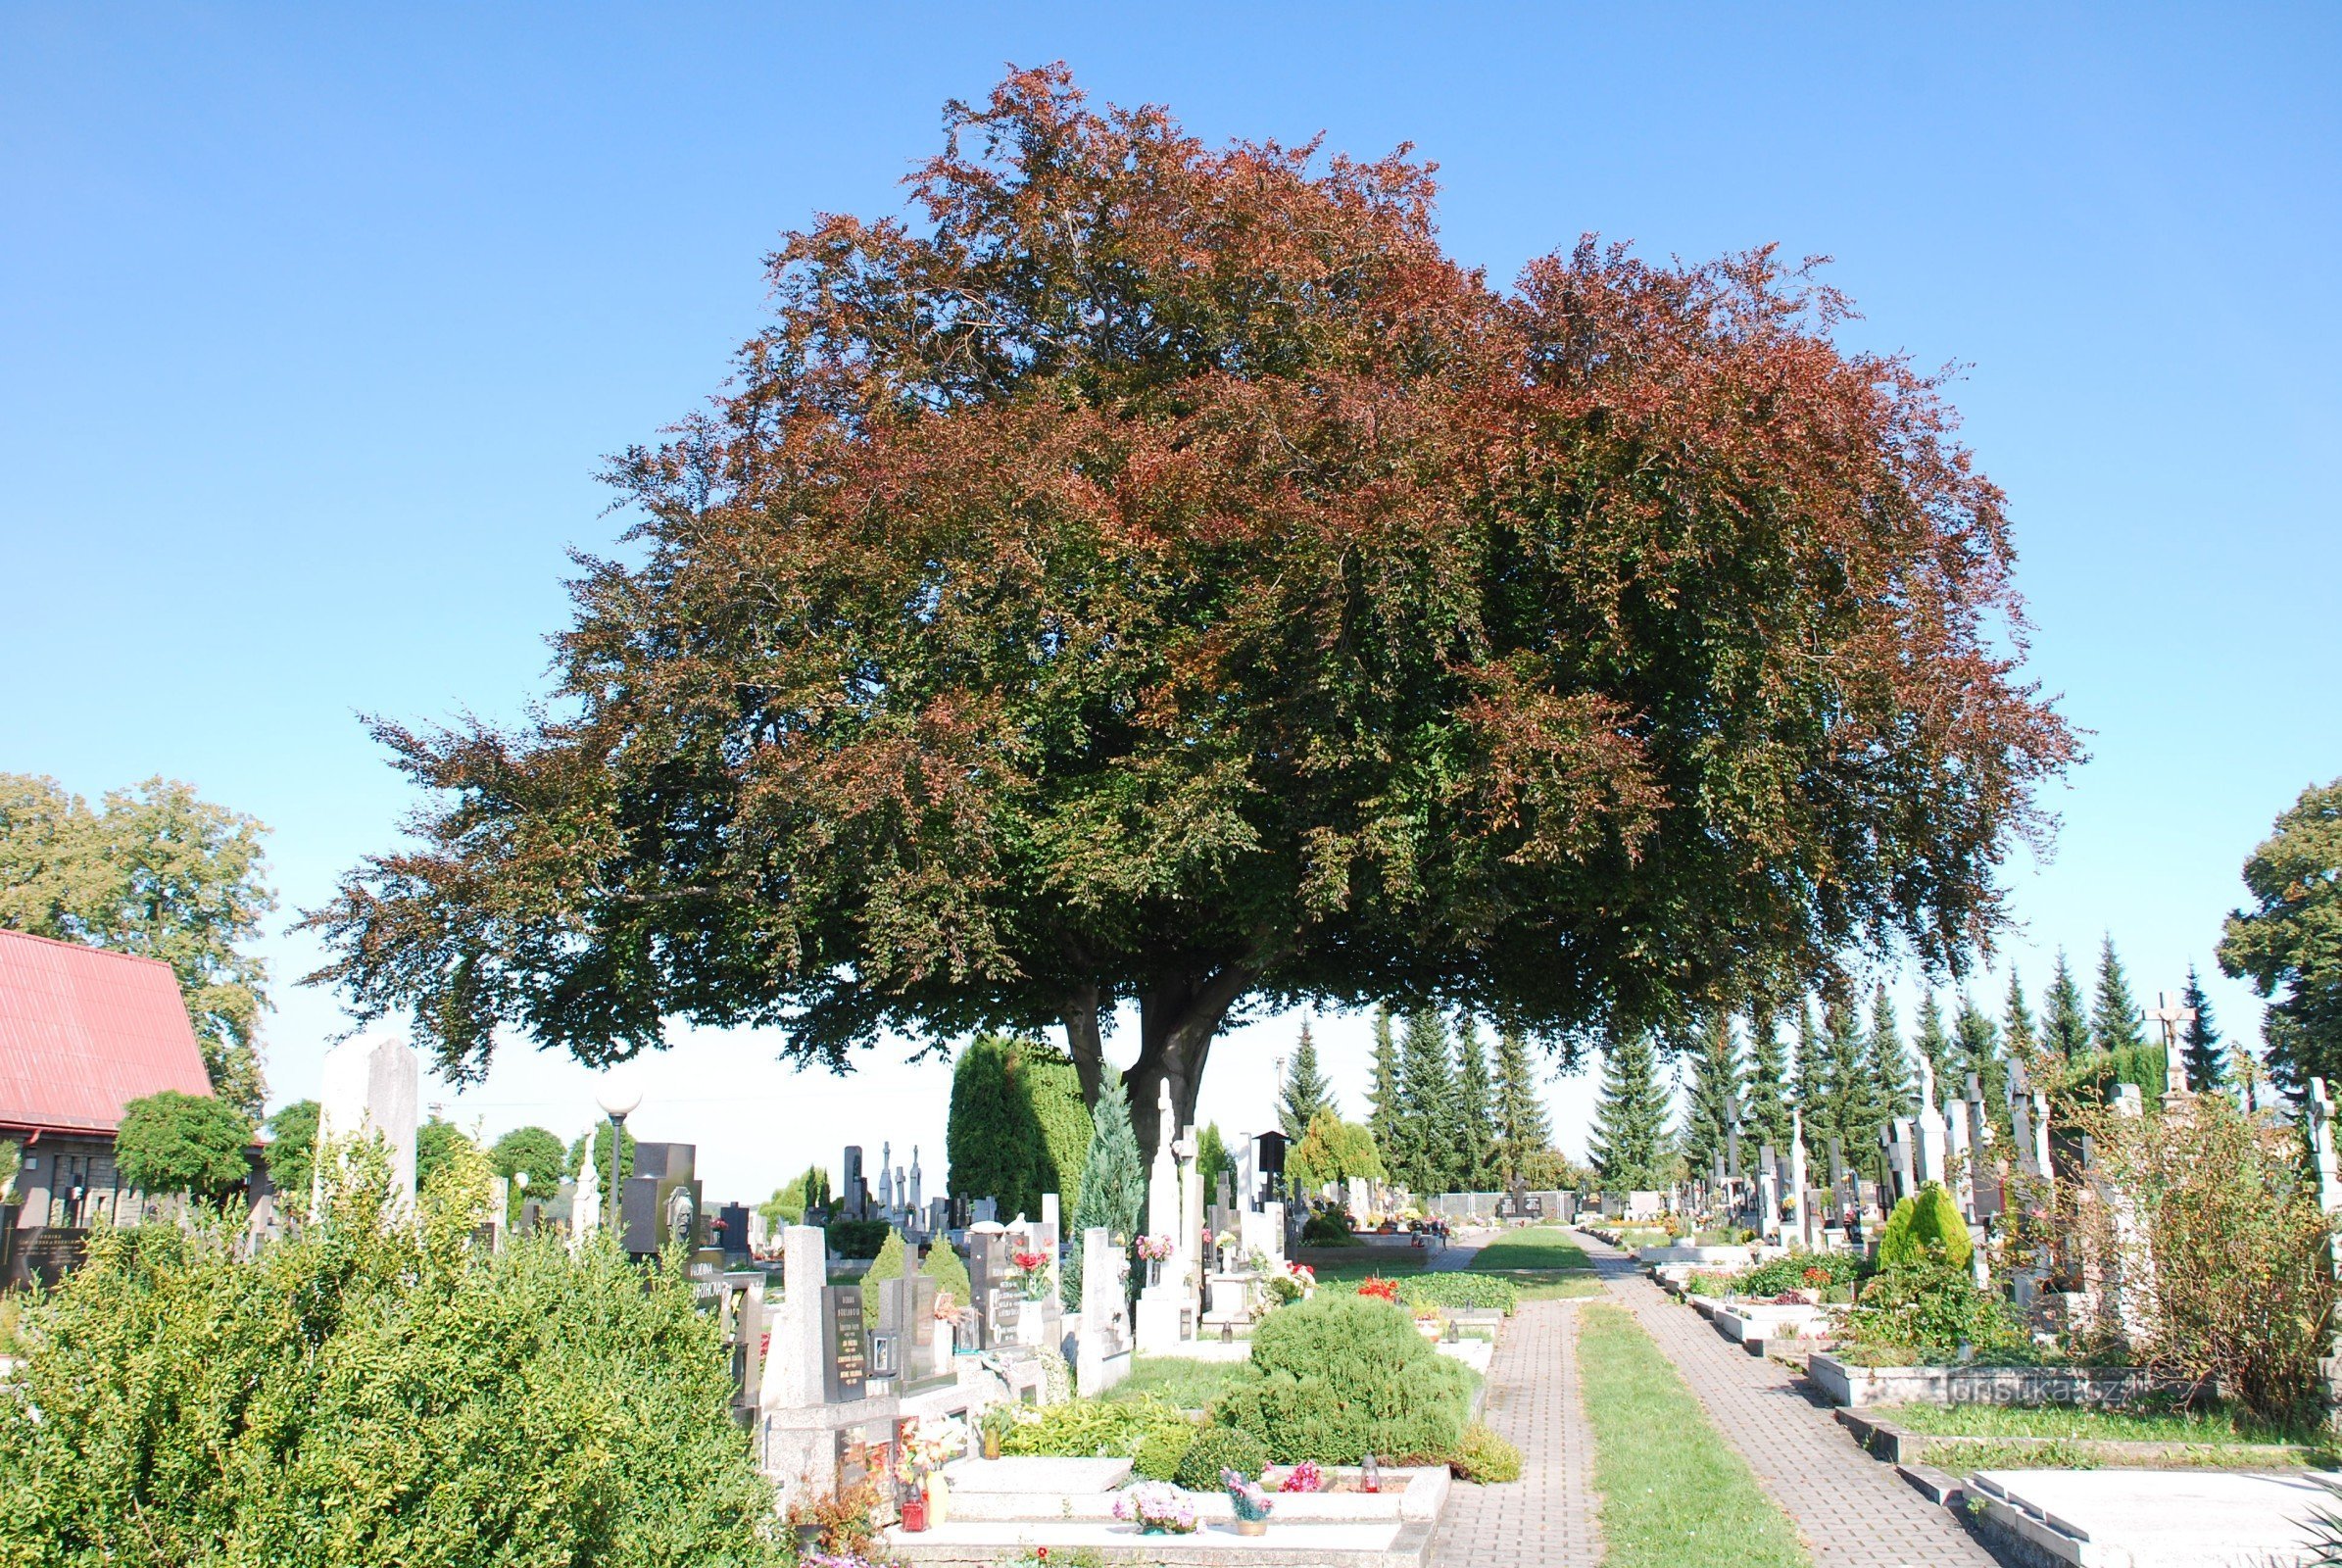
1249 1499
1157 1508
994 1427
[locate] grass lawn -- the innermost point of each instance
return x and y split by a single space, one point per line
1188 1384
1357 1263
1675 1494
1537 1248
2211 1427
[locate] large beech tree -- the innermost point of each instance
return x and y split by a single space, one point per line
1158 574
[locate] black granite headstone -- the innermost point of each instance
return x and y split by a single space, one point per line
846 1353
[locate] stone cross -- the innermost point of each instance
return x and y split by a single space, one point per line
1767 1194
1931 1142
1162 1180
2171 1016
2029 1115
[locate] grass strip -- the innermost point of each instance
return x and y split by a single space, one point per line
1536 1247
2217 1426
1675 1494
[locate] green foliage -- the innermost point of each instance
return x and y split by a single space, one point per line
1421 1149
1332 1151
1934 1044
858 1237
1382 1100
292 1153
1484 1459
1714 1091
597 1142
365 1393
2116 1022
2289 940
948 1270
1342 1376
809 1189
1328 1227
1218 1448
533 1150
1305 1091
1975 1049
1767 1118
1475 1165
1890 1068
1933 1308
1630 1131
1851 1112
1458 1289
1212 1160
1778 1275
2018 1038
1522 1129
887 1265
1926 1228
2200 1052
1161 1449
1813 1086
2064 1025
1092 1429
438 1143
160 874
1113 1181
176 1143
1017 1127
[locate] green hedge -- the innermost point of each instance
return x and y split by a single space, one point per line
1220 1448
1342 1376
1092 1428
1460 1289
858 1237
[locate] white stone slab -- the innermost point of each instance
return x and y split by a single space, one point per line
2154 1518
1026 1473
1006 1534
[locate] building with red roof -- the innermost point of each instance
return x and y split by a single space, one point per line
82 1033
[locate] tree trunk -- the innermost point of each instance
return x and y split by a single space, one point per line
1177 1019
1083 1044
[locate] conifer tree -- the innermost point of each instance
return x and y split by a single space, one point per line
1113 1182
1714 1096
1851 1113
1422 1153
1932 1043
1767 1116
1629 1145
1474 1127
1306 1091
1382 1093
2017 1033
1890 1068
1975 1049
1212 1160
2065 1026
2116 1022
2200 1041
1813 1086
1522 1130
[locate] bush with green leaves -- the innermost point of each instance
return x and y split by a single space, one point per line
1218 1448
372 1392
1926 1228
1328 1227
1782 1274
1160 1452
1487 1292
858 1237
179 1143
887 1265
1341 1376
1092 1429
1018 1126
1484 1459
948 1270
1934 1309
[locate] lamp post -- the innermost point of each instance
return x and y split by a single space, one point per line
617 1104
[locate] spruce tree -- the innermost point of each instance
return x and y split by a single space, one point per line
1813 1087
2017 1031
1629 1145
1305 1092
1932 1043
1975 1049
1714 1096
1522 1130
1768 1117
1475 1120
1852 1109
1890 1068
2199 1042
1422 1154
2116 1022
1382 1093
1113 1182
2065 1027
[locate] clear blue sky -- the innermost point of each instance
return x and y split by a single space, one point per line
314 323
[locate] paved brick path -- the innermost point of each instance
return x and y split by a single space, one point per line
1548 1515
1853 1511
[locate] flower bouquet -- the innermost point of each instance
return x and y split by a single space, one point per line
1156 1249
1032 1273
1251 1502
1157 1508
1305 1476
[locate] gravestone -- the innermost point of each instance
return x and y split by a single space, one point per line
845 1350
660 1202
1987 1172
993 1282
1102 1339
367 1090
1929 1144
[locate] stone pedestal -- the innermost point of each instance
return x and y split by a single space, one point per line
1102 1342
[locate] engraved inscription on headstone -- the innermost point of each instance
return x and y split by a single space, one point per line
845 1359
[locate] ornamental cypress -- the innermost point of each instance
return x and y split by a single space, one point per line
1629 1132
2065 1027
1113 1182
1474 1137
1305 1092
2199 1042
1522 1129
2017 1024
2116 1022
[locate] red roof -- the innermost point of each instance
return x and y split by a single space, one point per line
84 1032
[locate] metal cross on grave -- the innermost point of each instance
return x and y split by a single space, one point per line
2172 1016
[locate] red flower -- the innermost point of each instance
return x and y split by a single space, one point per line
1030 1260
1041 1554
1381 1289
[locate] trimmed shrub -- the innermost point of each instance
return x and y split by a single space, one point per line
1460 1289
1018 1126
948 1270
1789 1273
888 1266
1484 1458
858 1237
1160 1452
1343 1376
1934 1309
1328 1227
1220 1448
1926 1228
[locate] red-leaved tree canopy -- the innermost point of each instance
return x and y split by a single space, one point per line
1159 575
